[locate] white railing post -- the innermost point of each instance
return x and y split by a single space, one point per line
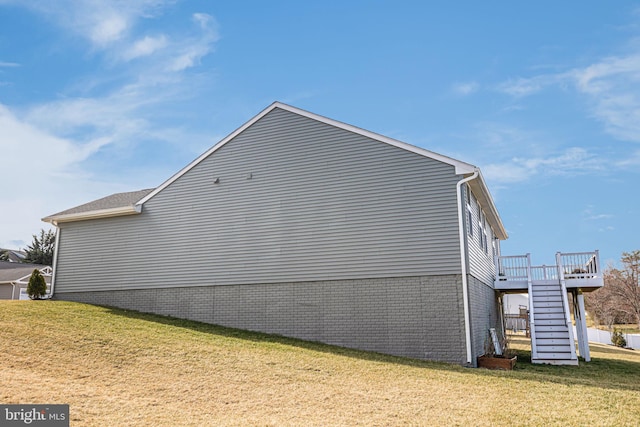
532 322
565 303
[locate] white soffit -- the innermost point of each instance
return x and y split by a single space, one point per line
95 214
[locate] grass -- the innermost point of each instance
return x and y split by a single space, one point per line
117 367
624 328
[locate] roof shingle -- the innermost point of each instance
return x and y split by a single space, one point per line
118 200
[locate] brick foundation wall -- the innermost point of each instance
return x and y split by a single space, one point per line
485 314
417 317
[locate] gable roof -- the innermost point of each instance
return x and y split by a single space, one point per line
13 271
461 168
13 255
113 205
124 203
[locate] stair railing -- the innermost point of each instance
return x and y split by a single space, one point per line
565 303
532 321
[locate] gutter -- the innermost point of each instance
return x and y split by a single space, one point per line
54 265
463 264
95 214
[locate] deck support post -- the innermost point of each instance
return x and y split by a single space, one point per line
581 325
500 299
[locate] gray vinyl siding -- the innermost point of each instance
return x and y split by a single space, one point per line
6 291
481 264
297 200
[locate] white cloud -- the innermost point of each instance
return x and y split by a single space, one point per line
47 148
108 28
611 86
9 64
572 161
589 214
41 171
464 89
521 87
145 47
102 22
188 58
506 173
595 78
204 19
190 51
124 115
632 161
20 140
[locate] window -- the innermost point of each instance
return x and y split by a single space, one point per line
485 245
469 212
480 230
482 226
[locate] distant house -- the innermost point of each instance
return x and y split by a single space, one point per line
12 255
300 225
14 278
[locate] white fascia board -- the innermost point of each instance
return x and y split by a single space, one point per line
461 168
99 213
207 153
489 206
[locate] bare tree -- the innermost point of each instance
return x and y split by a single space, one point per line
619 300
602 307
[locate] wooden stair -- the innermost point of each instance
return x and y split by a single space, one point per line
551 338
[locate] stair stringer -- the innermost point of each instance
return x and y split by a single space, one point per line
552 339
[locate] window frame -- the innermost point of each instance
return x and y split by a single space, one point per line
469 212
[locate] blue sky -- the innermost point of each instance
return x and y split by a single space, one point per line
98 97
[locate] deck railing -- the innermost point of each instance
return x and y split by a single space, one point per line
560 260
578 265
544 272
512 268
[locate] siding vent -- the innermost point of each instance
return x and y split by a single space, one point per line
216 181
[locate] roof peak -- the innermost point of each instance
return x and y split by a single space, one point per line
131 202
461 168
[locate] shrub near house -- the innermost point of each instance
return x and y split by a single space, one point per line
37 287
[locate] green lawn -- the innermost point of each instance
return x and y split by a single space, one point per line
116 367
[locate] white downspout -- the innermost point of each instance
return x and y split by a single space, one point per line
13 290
463 264
55 259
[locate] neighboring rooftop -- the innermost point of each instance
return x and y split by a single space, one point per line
13 255
115 203
12 271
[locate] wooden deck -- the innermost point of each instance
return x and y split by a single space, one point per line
580 270
549 288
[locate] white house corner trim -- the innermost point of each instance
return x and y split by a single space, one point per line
463 265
